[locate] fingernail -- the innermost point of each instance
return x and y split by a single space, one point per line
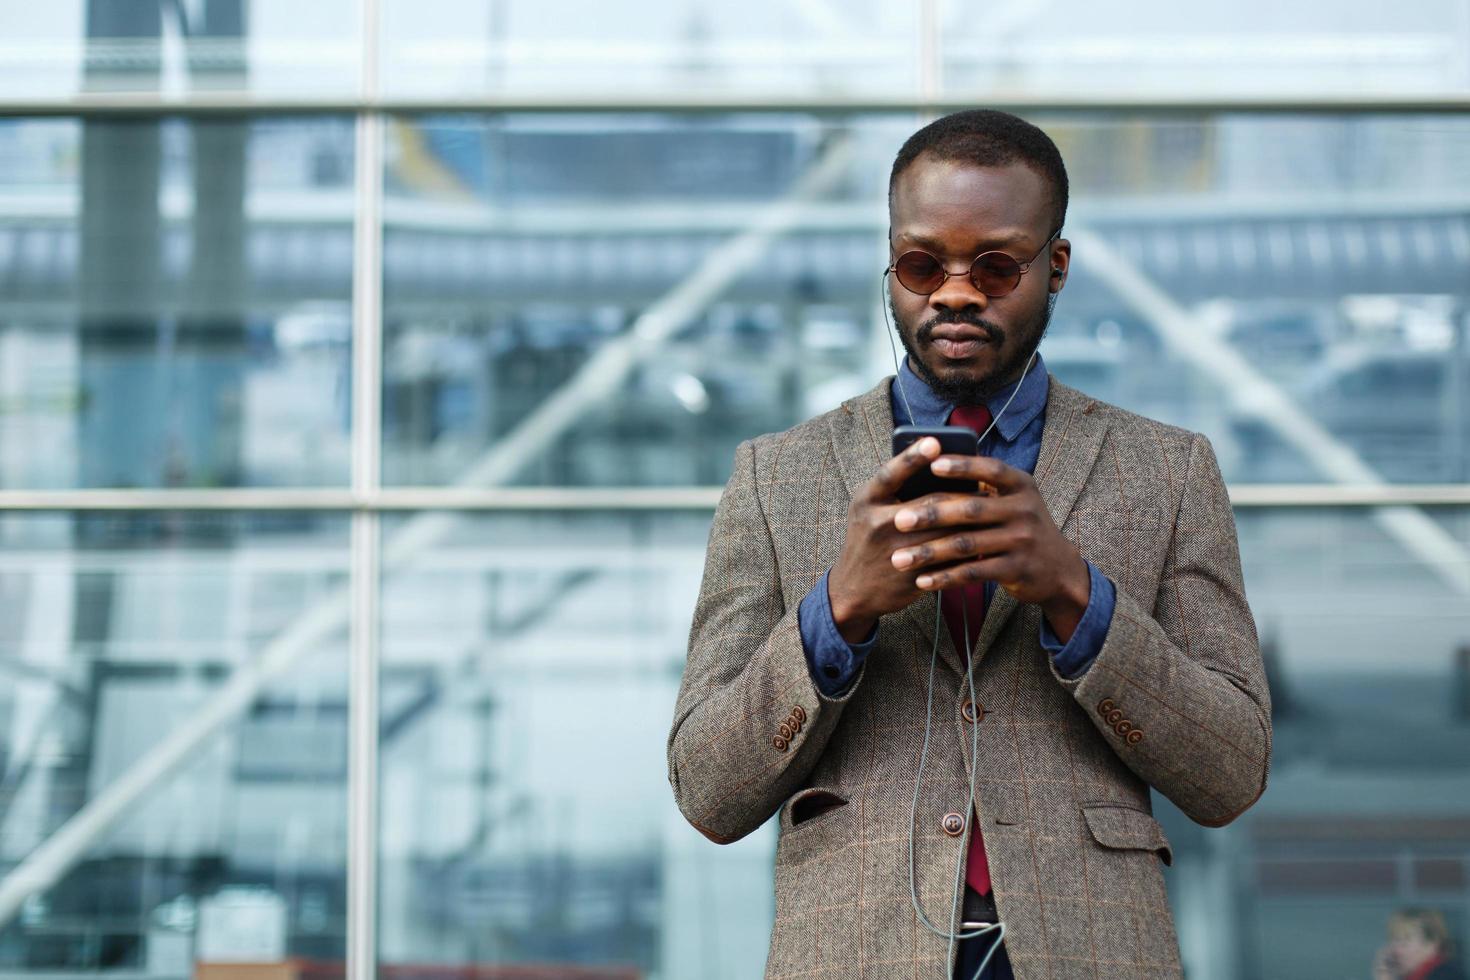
929 446
943 465
924 581
905 519
902 559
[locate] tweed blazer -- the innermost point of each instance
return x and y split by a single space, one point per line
1176 700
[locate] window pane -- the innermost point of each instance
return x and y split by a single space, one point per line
658 49
119 635
530 664
175 302
1158 49
1292 287
535 244
265 47
1364 620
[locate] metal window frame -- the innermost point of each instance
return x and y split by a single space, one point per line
365 551
1140 104
1243 496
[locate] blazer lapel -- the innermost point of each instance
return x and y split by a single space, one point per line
1071 439
862 436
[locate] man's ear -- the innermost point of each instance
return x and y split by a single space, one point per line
1060 262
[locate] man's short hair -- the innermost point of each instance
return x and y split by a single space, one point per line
988 138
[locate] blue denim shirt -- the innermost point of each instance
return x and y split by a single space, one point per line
1015 439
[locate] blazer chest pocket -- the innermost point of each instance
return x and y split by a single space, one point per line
1123 828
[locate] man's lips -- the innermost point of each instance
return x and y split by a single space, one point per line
958 342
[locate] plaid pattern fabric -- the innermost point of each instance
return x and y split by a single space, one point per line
1176 700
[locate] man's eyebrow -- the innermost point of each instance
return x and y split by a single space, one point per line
981 245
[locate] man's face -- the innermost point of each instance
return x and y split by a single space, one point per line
964 344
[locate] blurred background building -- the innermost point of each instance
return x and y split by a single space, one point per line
369 369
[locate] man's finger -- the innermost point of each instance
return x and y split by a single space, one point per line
886 484
983 469
998 569
965 546
952 510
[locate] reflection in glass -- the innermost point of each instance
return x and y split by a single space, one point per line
1367 646
115 641
1292 288
1153 48
817 50
62 48
530 664
514 253
663 48
175 302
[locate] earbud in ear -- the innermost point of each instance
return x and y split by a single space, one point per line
1056 273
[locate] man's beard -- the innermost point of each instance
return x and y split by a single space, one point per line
961 390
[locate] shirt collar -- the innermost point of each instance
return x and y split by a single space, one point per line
930 409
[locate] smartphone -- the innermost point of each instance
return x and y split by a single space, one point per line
954 440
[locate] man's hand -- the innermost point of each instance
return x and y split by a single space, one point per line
1009 538
865 584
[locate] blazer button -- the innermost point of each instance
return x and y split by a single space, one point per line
1123 727
1104 706
780 743
953 824
786 731
1135 736
1114 716
972 712
799 713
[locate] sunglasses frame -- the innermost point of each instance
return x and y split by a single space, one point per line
945 274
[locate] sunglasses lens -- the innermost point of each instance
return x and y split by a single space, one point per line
919 272
995 273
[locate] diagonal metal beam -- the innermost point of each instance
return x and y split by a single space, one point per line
1190 338
595 381
432 696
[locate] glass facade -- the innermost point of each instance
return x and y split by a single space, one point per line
127 639
216 553
177 302
869 49
272 48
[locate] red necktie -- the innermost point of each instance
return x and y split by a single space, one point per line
964 604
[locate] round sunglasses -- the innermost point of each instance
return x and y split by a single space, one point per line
993 273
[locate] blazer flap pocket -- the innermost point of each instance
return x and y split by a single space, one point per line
1126 828
814 822
809 806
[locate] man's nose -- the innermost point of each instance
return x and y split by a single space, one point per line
957 293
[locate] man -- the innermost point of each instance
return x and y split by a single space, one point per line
1110 645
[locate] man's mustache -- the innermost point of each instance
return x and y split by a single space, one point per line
993 334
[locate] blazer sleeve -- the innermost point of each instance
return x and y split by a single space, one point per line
749 723
1180 692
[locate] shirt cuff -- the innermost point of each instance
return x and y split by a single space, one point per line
1076 655
832 661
